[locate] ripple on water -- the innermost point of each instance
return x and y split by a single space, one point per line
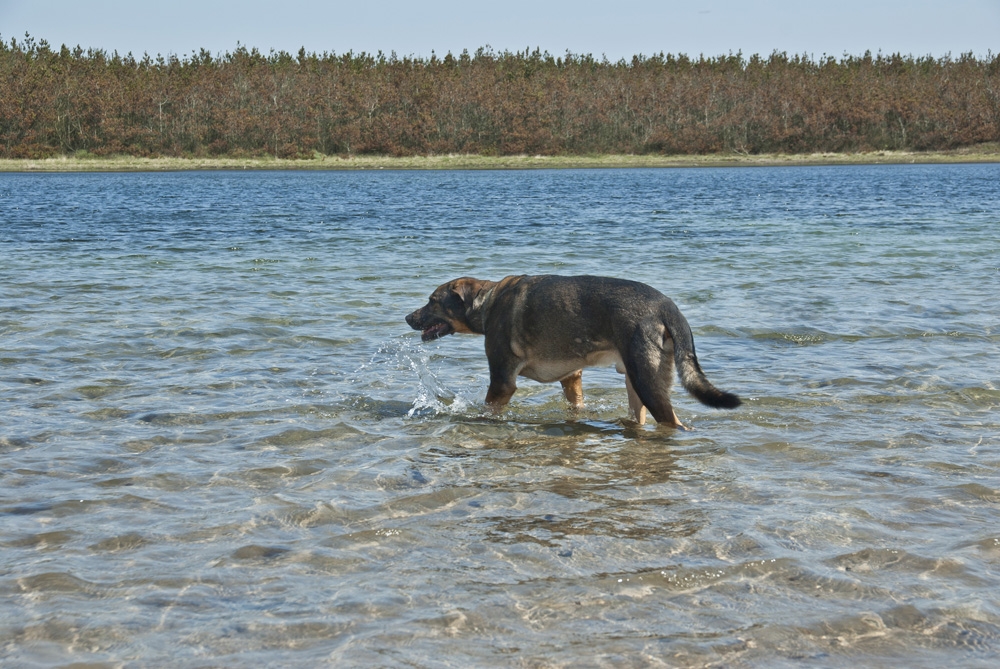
223 445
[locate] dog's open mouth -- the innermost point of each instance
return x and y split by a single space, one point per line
439 329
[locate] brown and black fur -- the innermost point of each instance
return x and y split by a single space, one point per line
548 328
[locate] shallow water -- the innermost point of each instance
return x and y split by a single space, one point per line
221 445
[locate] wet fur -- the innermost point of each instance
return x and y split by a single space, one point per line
548 328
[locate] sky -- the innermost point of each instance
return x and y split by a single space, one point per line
614 29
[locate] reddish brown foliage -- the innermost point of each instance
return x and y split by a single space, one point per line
246 103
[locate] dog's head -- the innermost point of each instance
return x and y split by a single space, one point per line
452 308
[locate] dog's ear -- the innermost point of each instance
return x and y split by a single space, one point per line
468 289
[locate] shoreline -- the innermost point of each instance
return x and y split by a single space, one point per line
981 154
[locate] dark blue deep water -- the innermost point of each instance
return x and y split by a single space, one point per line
220 444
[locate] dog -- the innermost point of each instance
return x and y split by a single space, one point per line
548 328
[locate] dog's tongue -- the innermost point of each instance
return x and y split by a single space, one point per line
434 331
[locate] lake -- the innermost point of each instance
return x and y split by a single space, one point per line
221 444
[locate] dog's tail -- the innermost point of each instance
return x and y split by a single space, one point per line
688 369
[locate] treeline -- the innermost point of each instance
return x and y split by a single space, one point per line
245 103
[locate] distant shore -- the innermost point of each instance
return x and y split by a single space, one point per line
88 163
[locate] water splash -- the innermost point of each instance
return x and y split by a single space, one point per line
399 355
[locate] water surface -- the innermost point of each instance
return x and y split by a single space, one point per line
221 445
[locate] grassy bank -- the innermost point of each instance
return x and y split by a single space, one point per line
88 163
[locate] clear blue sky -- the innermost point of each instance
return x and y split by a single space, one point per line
613 28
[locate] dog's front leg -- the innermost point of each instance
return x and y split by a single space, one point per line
499 394
503 383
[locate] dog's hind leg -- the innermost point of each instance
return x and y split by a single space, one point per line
572 387
649 371
634 403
